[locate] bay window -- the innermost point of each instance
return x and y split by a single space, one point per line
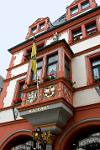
52 66
39 70
67 68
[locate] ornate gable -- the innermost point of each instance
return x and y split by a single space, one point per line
40 25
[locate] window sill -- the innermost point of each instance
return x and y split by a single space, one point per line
96 81
17 104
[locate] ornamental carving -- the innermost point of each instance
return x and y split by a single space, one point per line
49 91
67 94
31 96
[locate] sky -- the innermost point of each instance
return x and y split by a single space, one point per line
15 18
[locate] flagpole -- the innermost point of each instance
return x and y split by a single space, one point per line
37 77
37 84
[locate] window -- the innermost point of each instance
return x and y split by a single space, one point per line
40 46
77 34
93 68
34 29
96 69
85 4
52 66
20 90
74 10
27 54
91 28
67 68
42 25
39 70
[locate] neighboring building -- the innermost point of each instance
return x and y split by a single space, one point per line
1 84
68 100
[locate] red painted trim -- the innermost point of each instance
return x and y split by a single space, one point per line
36 25
17 86
12 78
89 67
45 103
22 63
87 51
12 61
58 30
13 132
80 10
87 86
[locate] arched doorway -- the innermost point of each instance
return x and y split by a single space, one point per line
88 142
73 136
22 142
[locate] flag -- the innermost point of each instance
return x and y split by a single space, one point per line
33 57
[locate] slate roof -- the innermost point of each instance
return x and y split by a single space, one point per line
60 20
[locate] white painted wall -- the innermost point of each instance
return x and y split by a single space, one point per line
79 74
10 92
19 70
6 116
63 35
89 43
18 58
86 97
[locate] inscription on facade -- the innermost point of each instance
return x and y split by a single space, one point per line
39 109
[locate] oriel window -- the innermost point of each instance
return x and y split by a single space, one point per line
52 66
67 68
39 70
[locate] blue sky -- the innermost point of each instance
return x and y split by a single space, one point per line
17 15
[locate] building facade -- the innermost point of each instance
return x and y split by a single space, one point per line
65 106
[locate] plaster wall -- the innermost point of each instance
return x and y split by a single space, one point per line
18 57
86 97
79 69
19 70
6 116
63 35
10 92
86 44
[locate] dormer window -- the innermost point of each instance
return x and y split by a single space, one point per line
74 10
34 29
85 4
42 25
91 28
77 34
